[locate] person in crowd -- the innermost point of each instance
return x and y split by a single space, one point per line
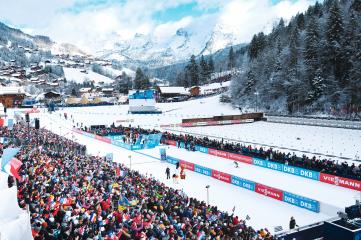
71 195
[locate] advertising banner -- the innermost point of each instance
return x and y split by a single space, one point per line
240 158
267 164
301 172
172 160
136 147
103 139
301 202
340 181
269 192
244 183
203 170
171 142
163 154
187 165
116 137
225 177
201 149
217 153
122 145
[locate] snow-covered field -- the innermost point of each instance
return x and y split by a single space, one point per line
321 140
74 74
172 113
324 140
264 212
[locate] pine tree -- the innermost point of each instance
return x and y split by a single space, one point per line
300 19
193 72
334 24
231 59
312 47
334 35
318 85
210 67
203 70
251 82
141 81
356 5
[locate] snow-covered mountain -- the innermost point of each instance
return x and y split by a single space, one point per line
154 50
12 39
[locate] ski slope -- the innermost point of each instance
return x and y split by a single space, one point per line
74 74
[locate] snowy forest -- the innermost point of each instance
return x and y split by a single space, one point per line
312 64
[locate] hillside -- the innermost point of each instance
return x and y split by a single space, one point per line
312 64
24 49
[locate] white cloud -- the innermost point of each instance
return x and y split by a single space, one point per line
250 17
92 27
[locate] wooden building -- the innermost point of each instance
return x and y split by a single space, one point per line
11 96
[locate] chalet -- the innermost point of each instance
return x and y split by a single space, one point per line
169 92
194 91
36 68
107 92
52 96
85 90
12 96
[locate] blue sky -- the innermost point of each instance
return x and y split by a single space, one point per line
83 22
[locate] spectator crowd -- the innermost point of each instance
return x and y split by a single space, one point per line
342 169
71 195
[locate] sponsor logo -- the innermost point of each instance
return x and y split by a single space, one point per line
340 181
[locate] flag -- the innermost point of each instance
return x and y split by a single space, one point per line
233 209
10 123
13 167
9 164
248 218
8 155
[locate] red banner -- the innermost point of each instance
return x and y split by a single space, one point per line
2 122
186 165
269 192
340 181
217 153
225 177
240 158
188 124
171 142
103 139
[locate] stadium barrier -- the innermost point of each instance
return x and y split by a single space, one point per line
280 195
208 123
301 172
306 173
290 198
110 140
